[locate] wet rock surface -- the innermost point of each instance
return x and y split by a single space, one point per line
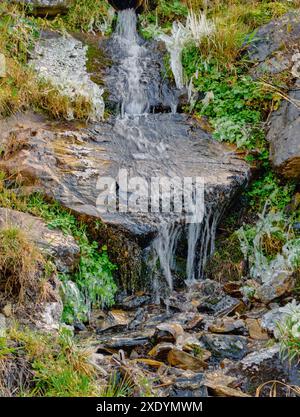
67 163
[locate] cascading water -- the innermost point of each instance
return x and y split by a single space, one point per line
134 100
137 79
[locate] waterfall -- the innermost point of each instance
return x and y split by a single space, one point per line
134 100
145 143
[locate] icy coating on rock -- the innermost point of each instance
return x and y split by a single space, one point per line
62 62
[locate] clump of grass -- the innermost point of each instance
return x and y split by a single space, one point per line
83 16
59 367
20 262
53 365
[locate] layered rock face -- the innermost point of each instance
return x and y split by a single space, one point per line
44 312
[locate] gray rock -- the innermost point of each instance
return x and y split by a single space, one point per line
49 317
262 366
69 163
276 49
226 346
284 136
255 359
270 319
62 249
267 49
189 385
46 7
281 283
227 305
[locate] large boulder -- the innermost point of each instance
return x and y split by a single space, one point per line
275 44
41 305
68 162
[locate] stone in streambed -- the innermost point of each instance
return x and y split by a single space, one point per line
168 332
255 330
282 282
189 385
183 360
226 346
161 350
228 325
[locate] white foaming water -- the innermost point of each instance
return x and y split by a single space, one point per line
134 99
165 245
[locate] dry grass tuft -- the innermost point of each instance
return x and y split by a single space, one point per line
20 261
272 386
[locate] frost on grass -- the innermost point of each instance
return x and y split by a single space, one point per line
196 28
61 61
271 231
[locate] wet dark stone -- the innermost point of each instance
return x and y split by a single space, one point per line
226 346
125 343
133 302
189 387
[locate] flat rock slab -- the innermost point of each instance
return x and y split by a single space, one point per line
67 163
46 7
62 249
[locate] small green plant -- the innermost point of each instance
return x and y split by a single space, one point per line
59 367
94 275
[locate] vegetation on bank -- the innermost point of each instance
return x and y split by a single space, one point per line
52 365
93 282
